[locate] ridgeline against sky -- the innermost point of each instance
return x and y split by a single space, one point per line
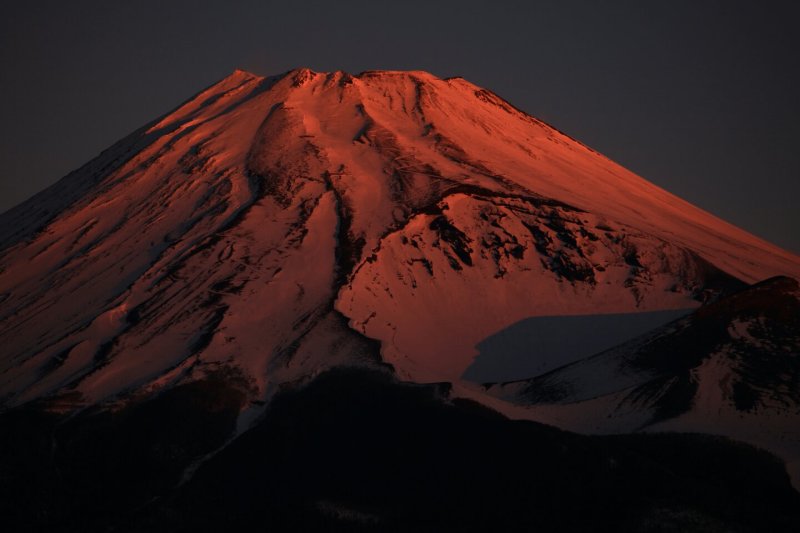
699 99
272 228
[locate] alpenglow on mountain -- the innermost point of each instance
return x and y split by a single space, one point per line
272 228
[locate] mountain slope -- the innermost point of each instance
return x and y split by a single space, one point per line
253 224
730 368
187 300
357 451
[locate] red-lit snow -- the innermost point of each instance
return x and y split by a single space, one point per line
253 224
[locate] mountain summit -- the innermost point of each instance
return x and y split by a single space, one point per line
272 228
279 225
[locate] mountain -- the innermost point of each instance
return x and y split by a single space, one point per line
732 367
271 229
356 451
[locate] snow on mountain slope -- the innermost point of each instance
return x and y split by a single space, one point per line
730 368
537 345
278 225
474 264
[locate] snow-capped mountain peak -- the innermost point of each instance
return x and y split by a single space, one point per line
282 225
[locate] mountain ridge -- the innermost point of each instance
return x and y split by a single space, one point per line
729 368
242 76
275 236
391 179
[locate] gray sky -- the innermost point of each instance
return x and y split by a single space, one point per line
699 97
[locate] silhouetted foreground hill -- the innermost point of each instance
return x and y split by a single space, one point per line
357 451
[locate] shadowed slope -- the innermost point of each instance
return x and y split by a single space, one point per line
731 368
357 451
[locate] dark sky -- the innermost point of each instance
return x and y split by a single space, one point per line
699 97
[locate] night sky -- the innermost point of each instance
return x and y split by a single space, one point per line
701 98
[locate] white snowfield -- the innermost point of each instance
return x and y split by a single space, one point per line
283 225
